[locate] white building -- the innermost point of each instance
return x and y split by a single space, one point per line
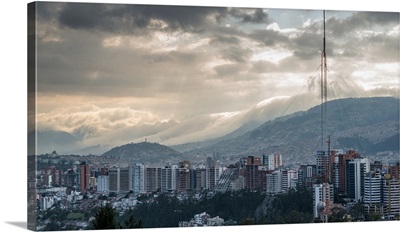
287 177
372 189
212 177
274 182
391 197
168 178
273 161
46 203
103 184
322 200
201 218
137 172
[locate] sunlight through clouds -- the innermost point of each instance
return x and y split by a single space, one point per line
135 71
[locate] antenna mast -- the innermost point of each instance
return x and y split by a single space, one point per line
324 92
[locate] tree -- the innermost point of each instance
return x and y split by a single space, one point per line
105 218
338 215
294 206
373 217
247 221
357 212
131 223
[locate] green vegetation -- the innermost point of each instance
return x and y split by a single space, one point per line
75 216
105 218
293 207
130 222
168 211
143 152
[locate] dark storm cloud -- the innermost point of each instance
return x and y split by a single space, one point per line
269 37
250 15
374 47
48 11
82 66
129 18
307 45
361 21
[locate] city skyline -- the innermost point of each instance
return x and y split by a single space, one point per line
140 71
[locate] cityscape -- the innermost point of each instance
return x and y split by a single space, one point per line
146 116
338 181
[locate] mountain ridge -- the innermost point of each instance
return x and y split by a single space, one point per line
143 152
373 121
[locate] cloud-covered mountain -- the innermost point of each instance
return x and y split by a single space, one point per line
369 125
92 139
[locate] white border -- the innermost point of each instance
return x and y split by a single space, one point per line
13 105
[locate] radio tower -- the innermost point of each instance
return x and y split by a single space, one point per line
323 87
323 192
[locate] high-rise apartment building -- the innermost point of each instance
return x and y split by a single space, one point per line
168 178
182 179
250 160
56 176
382 194
193 179
322 201
103 184
287 176
125 180
70 178
356 170
342 159
212 177
252 175
307 175
201 178
274 182
84 177
391 197
394 170
272 162
152 180
325 165
113 177
137 172
373 202
373 188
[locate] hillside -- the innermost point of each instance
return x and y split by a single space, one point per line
369 125
143 152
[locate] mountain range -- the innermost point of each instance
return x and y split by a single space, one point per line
368 125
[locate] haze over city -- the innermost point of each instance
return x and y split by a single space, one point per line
113 74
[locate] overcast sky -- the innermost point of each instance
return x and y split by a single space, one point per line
112 74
